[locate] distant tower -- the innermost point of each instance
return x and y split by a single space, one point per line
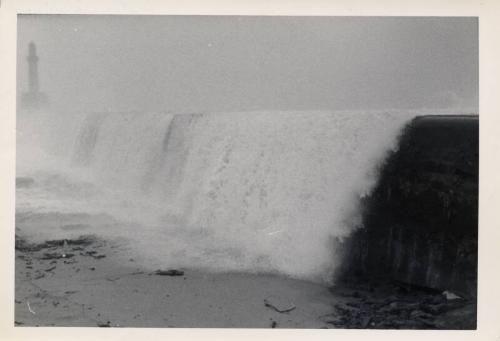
33 99
33 68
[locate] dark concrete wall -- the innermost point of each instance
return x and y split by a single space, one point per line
420 223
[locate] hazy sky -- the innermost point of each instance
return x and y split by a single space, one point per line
193 63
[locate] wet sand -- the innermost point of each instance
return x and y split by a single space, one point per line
92 282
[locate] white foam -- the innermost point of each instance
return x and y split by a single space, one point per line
254 191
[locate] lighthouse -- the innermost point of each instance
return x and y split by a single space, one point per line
33 68
33 98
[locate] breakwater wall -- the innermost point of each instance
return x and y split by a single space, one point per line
420 223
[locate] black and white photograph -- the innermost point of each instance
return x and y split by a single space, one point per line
246 171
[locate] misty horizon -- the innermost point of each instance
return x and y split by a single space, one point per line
236 63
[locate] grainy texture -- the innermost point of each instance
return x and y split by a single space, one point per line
114 291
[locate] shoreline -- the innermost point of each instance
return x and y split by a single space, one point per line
91 282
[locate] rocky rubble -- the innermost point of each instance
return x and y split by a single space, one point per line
399 306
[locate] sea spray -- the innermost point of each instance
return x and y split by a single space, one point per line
250 191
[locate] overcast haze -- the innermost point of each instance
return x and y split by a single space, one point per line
203 63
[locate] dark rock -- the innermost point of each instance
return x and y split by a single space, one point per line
353 304
414 309
433 309
366 322
419 314
343 309
463 317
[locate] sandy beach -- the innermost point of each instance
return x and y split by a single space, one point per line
91 282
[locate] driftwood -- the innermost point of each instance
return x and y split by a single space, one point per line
272 306
172 272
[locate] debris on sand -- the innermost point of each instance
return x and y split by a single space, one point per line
172 272
56 255
88 253
278 307
107 324
29 308
23 245
113 279
39 275
92 254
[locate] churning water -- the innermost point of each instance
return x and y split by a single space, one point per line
252 191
